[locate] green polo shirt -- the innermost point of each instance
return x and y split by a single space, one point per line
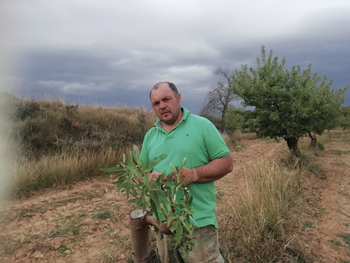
196 139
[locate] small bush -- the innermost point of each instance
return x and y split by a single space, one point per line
320 146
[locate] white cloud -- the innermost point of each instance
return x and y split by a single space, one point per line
182 74
74 87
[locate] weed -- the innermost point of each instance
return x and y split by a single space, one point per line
343 214
70 225
63 249
339 152
104 215
218 195
309 224
346 238
337 243
69 200
10 245
320 212
320 146
31 211
90 196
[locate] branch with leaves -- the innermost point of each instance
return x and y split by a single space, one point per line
173 217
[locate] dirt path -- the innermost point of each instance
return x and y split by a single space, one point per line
326 232
89 223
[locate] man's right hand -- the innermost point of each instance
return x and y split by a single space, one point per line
153 176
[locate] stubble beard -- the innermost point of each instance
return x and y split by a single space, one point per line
172 119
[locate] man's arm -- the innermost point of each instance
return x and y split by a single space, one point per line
209 172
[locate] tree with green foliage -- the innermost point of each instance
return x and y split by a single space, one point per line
344 118
287 103
234 119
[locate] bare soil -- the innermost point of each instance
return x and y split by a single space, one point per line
88 222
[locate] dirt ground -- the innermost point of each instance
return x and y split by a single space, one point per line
88 222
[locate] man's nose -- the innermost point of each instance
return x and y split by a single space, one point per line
162 105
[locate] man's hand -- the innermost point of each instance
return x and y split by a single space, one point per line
153 176
185 173
209 172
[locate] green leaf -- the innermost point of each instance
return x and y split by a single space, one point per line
178 235
171 217
136 153
175 225
154 209
183 164
152 164
105 176
143 166
112 169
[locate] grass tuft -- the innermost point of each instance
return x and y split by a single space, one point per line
261 215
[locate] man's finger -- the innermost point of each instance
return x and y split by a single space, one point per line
164 179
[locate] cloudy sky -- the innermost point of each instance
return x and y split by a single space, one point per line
111 53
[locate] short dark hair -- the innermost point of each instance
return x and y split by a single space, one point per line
171 86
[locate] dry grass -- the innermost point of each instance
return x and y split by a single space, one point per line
238 136
257 222
57 144
59 170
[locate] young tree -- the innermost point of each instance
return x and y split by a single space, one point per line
287 103
219 97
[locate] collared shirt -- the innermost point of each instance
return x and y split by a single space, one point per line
196 139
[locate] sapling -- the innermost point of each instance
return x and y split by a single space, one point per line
172 215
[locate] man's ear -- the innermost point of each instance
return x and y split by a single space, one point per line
179 97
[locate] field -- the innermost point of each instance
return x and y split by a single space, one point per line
270 208
88 222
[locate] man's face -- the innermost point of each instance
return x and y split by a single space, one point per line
165 104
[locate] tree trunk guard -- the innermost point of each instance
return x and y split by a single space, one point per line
141 248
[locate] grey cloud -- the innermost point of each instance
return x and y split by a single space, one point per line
113 53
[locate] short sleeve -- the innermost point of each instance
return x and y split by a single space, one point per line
214 143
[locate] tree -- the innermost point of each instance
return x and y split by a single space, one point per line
220 96
287 103
234 119
344 119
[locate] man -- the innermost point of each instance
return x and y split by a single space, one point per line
179 135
